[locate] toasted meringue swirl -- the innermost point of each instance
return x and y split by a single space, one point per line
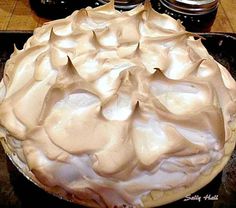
116 104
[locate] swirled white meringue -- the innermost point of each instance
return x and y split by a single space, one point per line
116 104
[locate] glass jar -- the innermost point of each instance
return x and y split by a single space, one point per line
123 4
196 15
54 9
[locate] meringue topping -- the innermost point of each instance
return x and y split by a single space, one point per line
118 103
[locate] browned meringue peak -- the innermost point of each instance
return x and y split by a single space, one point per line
91 66
90 19
77 20
68 81
82 45
64 42
228 80
161 22
15 51
197 46
154 145
169 48
181 63
42 34
206 114
19 97
13 78
108 8
215 78
119 33
121 105
24 103
181 97
204 102
16 128
84 119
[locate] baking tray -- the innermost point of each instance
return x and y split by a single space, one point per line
18 192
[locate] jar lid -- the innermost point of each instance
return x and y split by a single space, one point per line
123 4
196 2
193 7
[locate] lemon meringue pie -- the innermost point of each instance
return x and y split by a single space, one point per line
108 108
